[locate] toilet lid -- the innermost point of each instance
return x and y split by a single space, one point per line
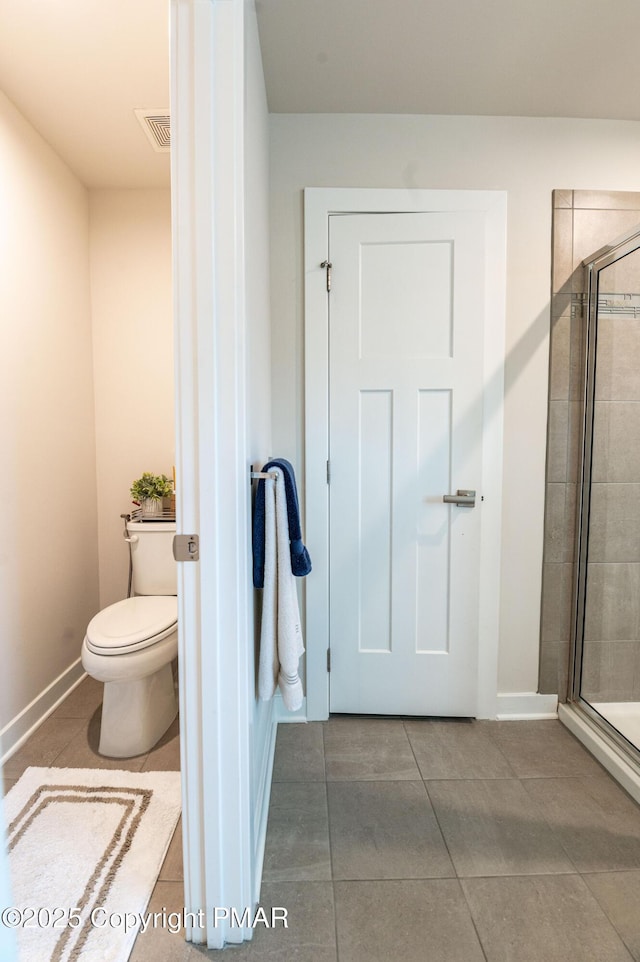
132 624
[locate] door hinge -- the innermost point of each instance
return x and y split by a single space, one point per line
328 659
327 265
328 472
186 547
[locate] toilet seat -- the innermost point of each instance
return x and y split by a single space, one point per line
132 625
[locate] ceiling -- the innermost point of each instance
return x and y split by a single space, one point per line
546 58
77 69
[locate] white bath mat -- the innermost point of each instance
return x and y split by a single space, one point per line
85 848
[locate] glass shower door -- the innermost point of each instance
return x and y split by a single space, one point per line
607 664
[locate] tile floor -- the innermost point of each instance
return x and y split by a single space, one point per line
429 840
69 739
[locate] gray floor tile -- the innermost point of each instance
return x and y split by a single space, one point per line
45 745
541 748
385 830
82 750
159 942
297 846
299 753
456 750
619 895
370 748
172 868
597 823
492 827
413 920
7 784
310 935
165 756
541 918
83 700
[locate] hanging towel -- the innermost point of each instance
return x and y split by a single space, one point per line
281 643
268 661
300 560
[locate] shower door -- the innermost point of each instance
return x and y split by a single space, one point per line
606 676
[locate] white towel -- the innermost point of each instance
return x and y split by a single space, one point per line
281 643
268 664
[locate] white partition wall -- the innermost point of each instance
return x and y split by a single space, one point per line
227 739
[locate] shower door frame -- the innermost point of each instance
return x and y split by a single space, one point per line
602 258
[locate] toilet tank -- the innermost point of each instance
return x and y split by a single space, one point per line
154 567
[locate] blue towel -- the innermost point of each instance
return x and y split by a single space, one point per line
300 560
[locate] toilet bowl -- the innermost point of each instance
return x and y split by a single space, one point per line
130 646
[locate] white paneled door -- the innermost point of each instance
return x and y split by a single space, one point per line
405 429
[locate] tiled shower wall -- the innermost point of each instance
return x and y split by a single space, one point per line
583 222
611 659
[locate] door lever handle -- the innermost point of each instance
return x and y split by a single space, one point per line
464 498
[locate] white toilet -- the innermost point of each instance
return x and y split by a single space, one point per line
130 647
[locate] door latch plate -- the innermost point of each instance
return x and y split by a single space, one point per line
186 547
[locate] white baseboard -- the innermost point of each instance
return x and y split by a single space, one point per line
19 729
281 714
263 795
522 705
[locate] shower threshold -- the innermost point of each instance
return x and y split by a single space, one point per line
617 762
623 715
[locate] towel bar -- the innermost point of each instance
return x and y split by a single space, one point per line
262 474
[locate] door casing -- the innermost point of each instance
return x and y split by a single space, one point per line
319 205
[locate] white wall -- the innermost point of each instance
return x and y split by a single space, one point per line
258 361
527 157
130 232
48 554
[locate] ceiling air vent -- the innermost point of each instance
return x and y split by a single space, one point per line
157 126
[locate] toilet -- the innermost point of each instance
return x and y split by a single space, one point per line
130 646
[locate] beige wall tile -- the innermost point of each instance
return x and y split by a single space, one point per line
616 441
608 670
607 199
613 602
557 587
592 229
578 358
562 261
560 520
557 440
574 446
562 198
614 523
560 355
554 668
622 276
618 358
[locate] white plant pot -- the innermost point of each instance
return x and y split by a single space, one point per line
151 508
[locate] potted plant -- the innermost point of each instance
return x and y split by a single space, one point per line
149 490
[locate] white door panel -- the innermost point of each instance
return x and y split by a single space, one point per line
405 424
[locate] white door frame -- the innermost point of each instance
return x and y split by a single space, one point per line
207 143
319 204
